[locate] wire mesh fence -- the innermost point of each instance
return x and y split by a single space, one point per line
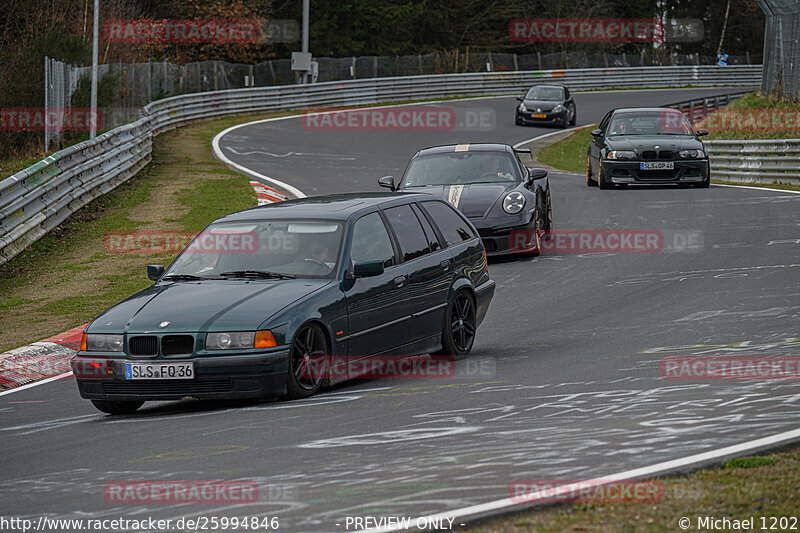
782 48
127 87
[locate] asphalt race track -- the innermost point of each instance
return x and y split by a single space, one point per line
564 381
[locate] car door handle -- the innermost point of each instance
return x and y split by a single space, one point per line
445 265
399 280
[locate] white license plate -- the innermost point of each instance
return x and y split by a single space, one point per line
159 370
657 165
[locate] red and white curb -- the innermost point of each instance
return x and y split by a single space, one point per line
266 194
43 359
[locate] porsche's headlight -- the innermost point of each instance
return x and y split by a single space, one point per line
559 109
690 154
523 108
621 154
101 342
513 202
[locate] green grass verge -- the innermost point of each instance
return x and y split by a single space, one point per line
568 154
67 278
759 486
755 100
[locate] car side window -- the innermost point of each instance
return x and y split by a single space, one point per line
407 228
454 228
604 122
371 241
433 240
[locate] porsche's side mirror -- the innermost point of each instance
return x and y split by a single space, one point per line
520 99
154 272
388 182
597 133
701 132
536 174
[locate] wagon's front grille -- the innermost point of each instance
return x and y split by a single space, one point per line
143 346
177 345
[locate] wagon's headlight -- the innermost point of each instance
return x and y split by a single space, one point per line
690 154
101 342
523 108
237 340
559 108
621 154
513 202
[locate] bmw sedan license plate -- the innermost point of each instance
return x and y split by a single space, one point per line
538 115
657 165
159 371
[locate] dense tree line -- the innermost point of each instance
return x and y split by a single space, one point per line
31 29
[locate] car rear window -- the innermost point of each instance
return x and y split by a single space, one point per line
453 227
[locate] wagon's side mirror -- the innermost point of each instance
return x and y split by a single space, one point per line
597 133
154 271
701 132
520 99
366 269
388 182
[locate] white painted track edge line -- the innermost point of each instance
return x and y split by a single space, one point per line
636 473
35 383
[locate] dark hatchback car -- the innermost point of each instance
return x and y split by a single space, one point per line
546 104
261 294
646 145
508 202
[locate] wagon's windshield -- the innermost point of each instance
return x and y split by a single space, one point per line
458 168
298 248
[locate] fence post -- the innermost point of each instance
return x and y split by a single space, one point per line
516 65
375 66
539 58
46 102
419 58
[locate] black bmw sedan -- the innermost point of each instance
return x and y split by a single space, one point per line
508 202
646 146
546 104
261 295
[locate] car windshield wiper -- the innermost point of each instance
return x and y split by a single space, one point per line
183 277
263 274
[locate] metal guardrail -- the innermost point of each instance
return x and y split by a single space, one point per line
37 199
698 109
741 161
756 161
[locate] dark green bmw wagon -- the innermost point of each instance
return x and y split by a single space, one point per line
261 295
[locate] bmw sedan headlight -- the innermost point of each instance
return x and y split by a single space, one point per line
513 202
621 154
522 108
690 154
559 109
237 340
101 342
